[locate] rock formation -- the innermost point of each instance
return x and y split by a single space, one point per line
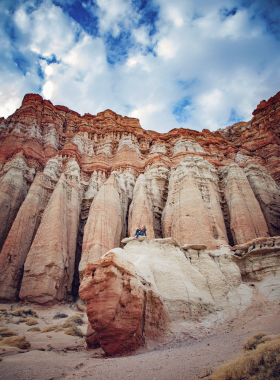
246 218
267 193
73 187
49 267
140 212
193 204
122 307
24 228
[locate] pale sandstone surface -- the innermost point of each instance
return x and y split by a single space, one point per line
122 307
106 224
140 211
258 258
246 218
193 205
267 193
13 190
25 226
49 267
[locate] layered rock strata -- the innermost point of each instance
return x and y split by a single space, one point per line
25 226
200 188
268 195
259 258
49 267
246 218
193 205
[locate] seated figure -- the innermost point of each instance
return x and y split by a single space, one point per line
141 231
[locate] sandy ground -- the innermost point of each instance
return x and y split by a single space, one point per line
66 357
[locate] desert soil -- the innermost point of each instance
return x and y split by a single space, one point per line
66 357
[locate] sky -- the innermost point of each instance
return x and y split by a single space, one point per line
197 64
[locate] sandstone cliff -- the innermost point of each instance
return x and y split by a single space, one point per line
72 187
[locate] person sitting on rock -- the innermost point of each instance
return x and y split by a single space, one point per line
141 231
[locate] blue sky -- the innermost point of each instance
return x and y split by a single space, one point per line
183 63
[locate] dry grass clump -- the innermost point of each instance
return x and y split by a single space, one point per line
25 312
3 310
33 329
31 321
16 341
75 318
74 331
255 340
5 331
261 363
51 328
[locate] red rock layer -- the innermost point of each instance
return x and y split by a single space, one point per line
85 170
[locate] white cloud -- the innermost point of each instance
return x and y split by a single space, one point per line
219 64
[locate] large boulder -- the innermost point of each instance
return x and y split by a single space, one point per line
122 307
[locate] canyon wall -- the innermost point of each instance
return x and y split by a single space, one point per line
72 187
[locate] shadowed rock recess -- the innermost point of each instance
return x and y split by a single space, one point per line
74 188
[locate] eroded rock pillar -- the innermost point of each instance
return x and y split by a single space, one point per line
246 218
140 212
49 267
13 190
24 228
104 225
192 213
268 195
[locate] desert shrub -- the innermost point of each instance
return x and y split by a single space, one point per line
31 321
1 338
3 310
33 329
5 331
16 341
262 363
74 331
66 325
254 341
58 329
1 358
25 312
75 318
50 328
60 315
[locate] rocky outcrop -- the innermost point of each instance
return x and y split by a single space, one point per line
246 218
268 195
193 205
13 190
49 267
24 228
187 190
258 258
122 307
105 226
140 212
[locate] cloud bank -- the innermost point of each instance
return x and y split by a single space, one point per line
193 64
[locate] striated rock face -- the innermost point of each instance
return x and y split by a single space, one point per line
268 195
24 228
49 267
140 212
13 190
246 218
106 221
73 187
193 205
259 258
122 307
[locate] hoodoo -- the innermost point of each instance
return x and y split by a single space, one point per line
74 188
